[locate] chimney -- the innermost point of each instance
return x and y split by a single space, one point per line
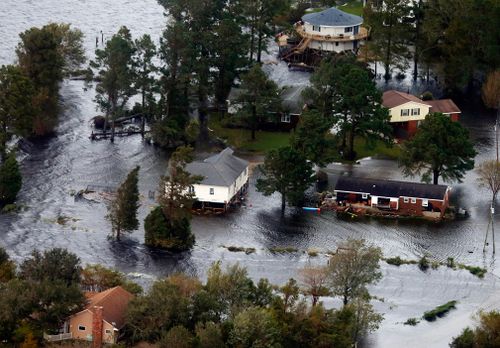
97 327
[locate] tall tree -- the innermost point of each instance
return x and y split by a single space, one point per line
489 177
123 209
440 148
10 180
314 279
358 109
313 138
46 55
490 91
450 26
354 266
115 76
145 52
285 171
390 27
16 105
260 96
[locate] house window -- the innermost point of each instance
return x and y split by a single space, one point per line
364 195
415 112
211 190
406 199
285 118
81 328
108 331
336 43
316 28
348 29
425 202
414 200
191 189
405 112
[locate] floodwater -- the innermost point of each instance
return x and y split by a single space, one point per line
56 168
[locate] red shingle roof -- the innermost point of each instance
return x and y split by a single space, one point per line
394 98
114 303
446 106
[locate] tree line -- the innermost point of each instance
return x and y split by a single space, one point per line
228 310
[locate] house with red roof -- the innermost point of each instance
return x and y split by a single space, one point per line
100 321
407 111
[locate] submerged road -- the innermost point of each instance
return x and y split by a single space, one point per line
56 168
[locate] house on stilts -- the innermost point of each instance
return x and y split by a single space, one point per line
225 181
320 34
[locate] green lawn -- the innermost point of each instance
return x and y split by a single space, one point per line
380 149
241 138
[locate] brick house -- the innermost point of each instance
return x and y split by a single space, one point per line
407 111
400 197
101 320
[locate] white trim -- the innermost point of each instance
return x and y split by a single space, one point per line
371 194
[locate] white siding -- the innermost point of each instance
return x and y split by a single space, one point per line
332 46
222 194
332 31
396 112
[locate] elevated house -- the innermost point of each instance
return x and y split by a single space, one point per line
407 111
292 105
101 321
393 197
322 33
225 180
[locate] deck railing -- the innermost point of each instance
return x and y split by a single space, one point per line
60 337
362 34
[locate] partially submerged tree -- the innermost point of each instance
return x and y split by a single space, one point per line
169 225
440 148
123 209
115 76
486 334
16 105
10 180
314 279
259 97
489 177
288 172
352 268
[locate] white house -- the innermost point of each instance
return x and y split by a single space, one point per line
225 179
331 30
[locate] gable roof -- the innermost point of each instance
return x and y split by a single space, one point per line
446 106
394 98
332 17
292 99
114 303
391 188
221 169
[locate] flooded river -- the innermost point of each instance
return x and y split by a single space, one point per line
56 168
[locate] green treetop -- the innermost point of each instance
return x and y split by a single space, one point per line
440 148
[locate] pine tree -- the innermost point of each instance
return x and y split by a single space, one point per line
10 180
123 210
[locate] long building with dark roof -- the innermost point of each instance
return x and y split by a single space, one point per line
406 198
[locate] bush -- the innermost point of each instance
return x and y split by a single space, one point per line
423 263
411 321
10 180
427 96
396 261
477 271
450 262
439 311
171 235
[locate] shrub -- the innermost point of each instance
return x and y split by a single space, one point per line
10 180
439 311
411 321
396 261
427 96
423 263
477 271
450 262
172 235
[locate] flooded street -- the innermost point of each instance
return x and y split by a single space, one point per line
53 170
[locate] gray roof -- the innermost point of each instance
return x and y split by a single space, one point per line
391 188
221 169
292 99
332 17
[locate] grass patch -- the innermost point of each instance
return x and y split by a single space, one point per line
283 250
380 149
312 252
354 7
240 138
62 220
439 311
477 271
411 321
237 249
